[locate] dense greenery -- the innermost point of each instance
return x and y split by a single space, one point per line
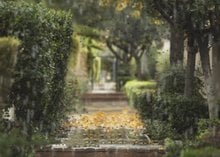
41 67
8 55
133 31
13 139
172 106
182 113
201 152
168 106
137 90
15 143
75 79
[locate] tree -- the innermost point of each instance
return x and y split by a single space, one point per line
198 19
131 36
173 13
208 26
85 12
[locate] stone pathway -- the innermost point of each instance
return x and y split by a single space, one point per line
93 129
109 120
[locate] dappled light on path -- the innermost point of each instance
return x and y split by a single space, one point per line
112 120
94 129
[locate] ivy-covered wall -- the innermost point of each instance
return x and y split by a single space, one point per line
45 36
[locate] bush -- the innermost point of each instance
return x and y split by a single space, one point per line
131 87
76 80
171 106
14 142
158 130
173 148
183 114
172 81
201 152
209 132
141 96
45 40
134 84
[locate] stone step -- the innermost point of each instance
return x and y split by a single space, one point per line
91 97
105 151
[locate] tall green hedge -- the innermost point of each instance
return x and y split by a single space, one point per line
45 36
8 55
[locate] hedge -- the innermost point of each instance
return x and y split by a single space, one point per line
182 113
45 36
8 54
173 110
141 96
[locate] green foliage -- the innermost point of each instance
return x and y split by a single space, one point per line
14 142
45 40
124 73
172 107
85 31
158 130
205 124
75 85
201 152
135 84
72 94
140 95
180 112
151 57
173 148
208 132
138 87
75 46
172 80
8 54
163 62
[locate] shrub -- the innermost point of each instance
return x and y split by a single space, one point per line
14 142
182 113
158 130
173 148
76 80
132 86
209 132
141 96
39 80
172 107
172 81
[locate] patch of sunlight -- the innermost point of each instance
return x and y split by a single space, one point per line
108 121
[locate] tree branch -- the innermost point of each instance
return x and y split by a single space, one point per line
109 45
163 13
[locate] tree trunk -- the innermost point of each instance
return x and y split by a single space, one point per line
191 58
176 46
216 74
209 83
